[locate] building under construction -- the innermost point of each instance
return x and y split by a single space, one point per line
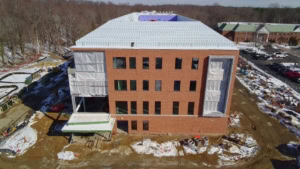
152 73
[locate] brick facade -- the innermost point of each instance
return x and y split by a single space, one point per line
166 122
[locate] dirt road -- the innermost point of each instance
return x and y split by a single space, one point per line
269 134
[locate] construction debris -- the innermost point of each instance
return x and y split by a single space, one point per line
275 97
167 149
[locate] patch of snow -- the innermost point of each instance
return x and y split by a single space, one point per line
213 150
66 155
21 140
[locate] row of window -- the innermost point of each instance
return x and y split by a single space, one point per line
122 107
120 63
145 125
121 85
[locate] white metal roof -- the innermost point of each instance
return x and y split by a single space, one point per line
185 33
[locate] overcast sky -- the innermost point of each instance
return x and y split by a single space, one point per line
253 3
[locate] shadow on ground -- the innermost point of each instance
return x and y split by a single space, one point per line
290 164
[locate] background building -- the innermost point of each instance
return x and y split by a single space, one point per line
260 32
158 73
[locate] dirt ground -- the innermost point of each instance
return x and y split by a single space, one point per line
269 135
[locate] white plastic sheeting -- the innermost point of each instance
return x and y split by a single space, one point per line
217 85
90 77
90 61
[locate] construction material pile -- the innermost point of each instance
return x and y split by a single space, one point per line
229 150
236 147
167 149
234 119
275 97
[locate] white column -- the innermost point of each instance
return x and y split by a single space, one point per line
73 104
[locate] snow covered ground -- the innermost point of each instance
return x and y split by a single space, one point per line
21 140
16 78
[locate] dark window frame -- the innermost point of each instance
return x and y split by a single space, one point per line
145 125
157 107
195 64
177 85
117 107
133 107
178 63
158 63
145 85
121 83
158 88
191 108
132 62
145 105
133 85
134 125
175 108
193 85
115 64
145 64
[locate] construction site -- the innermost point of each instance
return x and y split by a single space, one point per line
132 104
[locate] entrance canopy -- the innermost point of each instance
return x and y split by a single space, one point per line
89 123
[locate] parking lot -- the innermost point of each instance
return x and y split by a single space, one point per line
265 65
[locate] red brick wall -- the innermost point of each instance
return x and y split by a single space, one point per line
168 73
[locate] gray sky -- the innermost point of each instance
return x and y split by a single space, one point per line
253 3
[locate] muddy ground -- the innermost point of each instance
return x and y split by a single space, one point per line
269 135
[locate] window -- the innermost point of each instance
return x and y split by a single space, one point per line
119 62
175 108
145 125
120 85
133 125
158 64
133 107
193 85
121 107
133 85
145 107
145 63
178 62
132 63
145 85
157 107
176 85
191 108
195 63
157 85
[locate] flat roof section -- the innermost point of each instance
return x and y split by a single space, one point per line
88 118
90 128
154 31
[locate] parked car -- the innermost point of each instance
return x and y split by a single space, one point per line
260 56
279 55
292 74
58 107
276 66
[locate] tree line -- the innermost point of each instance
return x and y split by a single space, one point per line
51 24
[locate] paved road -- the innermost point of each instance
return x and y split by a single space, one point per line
263 64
